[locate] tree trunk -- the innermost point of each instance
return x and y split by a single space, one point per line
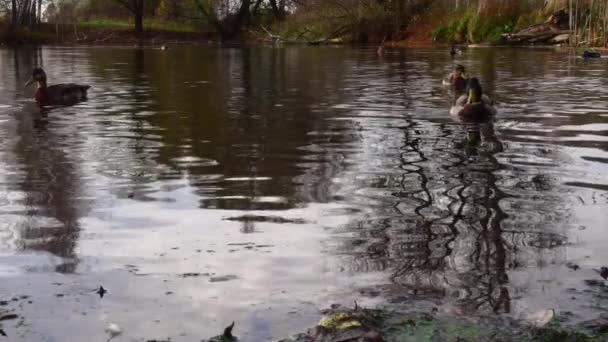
136 7
241 19
33 14
605 22
13 25
230 26
139 24
39 12
278 9
576 23
139 18
243 15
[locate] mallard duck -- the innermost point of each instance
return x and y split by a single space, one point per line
454 51
58 94
457 79
474 106
591 54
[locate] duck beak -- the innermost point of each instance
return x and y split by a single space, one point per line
29 82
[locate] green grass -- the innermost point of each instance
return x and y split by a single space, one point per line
152 25
475 29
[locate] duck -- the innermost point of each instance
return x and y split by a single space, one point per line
456 79
591 54
474 106
454 51
57 94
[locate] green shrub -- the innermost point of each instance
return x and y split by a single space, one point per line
455 30
474 29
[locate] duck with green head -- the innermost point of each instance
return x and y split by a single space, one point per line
58 94
474 106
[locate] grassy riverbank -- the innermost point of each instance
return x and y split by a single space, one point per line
107 31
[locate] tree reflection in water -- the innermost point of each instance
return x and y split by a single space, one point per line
445 236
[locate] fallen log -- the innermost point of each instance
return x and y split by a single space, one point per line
275 39
553 31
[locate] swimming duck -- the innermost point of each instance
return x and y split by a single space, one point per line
591 54
457 79
58 94
474 106
454 51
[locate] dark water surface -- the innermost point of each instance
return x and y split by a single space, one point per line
202 185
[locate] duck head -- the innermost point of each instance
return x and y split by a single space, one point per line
474 91
39 76
459 70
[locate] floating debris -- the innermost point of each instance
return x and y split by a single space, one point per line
223 278
193 275
6 317
541 318
591 54
225 337
596 326
342 324
572 266
114 330
101 292
270 219
594 283
603 272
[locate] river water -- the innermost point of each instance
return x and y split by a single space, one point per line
205 185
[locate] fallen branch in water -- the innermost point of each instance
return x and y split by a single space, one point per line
553 31
279 39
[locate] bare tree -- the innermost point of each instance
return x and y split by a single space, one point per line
136 7
228 17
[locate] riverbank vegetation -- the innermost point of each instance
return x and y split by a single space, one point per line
585 21
297 21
